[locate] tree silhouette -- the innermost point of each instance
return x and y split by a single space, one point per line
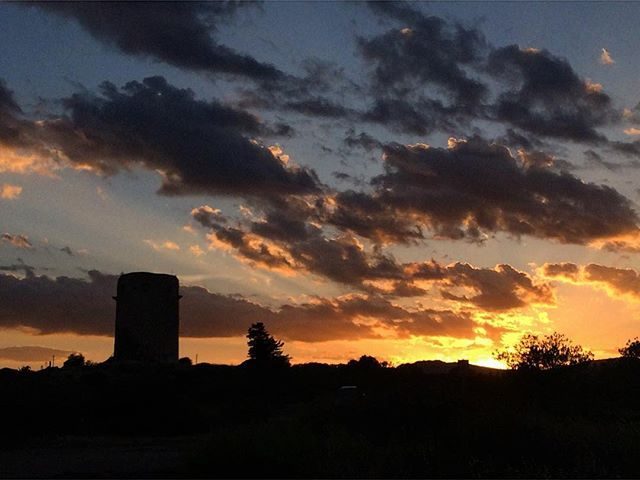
550 351
264 350
367 362
631 349
74 360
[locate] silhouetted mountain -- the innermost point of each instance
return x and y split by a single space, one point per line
438 367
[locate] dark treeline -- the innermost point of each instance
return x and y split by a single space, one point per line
406 421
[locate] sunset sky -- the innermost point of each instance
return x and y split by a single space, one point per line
409 181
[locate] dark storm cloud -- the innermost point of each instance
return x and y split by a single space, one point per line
535 90
620 280
7 102
365 215
416 117
12 127
319 93
16 240
60 305
632 115
431 53
566 270
427 73
513 138
500 289
182 34
178 33
217 315
475 187
276 243
362 140
19 267
594 159
319 320
32 353
85 307
617 281
628 149
428 51
207 216
547 97
200 147
317 107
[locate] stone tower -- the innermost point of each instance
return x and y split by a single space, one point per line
147 318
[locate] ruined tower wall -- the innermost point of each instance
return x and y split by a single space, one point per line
147 318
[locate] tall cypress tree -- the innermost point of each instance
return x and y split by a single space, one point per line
264 350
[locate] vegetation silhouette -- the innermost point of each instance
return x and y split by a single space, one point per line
544 353
224 421
74 360
367 362
631 349
365 418
264 350
186 361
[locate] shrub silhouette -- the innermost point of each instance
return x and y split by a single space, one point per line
264 350
367 362
74 360
185 361
631 349
550 351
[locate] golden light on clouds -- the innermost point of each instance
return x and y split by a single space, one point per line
166 245
10 192
593 87
629 242
619 283
276 151
605 57
26 162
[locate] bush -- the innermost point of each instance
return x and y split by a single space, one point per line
367 362
550 351
631 349
74 360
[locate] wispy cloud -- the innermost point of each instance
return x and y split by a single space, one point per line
32 353
17 240
165 245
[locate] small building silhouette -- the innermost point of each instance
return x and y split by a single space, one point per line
147 318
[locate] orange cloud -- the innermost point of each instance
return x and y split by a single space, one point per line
166 245
605 57
18 241
593 87
26 162
629 242
10 192
616 282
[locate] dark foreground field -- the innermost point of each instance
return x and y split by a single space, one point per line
216 421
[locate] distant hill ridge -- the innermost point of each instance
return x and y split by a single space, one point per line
438 367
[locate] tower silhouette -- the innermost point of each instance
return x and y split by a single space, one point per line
147 318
